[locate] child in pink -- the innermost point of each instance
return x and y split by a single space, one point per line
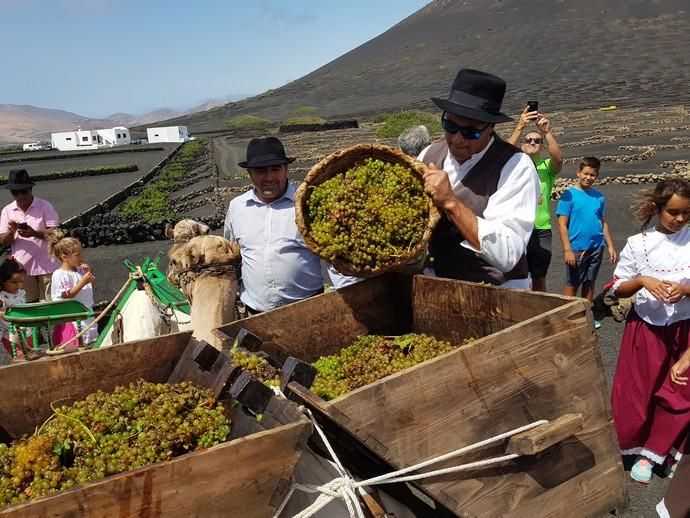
73 279
650 411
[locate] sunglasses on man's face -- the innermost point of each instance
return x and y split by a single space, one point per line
533 140
468 133
20 192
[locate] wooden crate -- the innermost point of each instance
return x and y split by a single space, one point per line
245 476
535 357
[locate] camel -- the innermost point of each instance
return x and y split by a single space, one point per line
204 270
181 233
185 230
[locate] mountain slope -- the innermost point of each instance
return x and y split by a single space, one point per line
574 53
25 123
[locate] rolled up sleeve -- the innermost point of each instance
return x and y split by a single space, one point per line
508 220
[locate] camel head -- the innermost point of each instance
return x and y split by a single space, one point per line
204 250
185 230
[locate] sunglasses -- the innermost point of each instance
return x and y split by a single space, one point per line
468 133
19 192
533 140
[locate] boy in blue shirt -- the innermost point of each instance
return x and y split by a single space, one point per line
583 229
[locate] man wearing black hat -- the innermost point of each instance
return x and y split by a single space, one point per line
277 267
488 189
24 224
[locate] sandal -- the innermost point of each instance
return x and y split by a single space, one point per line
642 471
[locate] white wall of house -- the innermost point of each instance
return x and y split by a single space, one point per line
90 139
167 134
117 136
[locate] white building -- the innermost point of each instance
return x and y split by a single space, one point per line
90 139
167 134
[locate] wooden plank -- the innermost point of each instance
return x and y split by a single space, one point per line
29 388
543 437
235 479
206 366
334 318
456 310
587 494
251 393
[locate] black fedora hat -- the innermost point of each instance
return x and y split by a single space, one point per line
18 180
475 95
265 152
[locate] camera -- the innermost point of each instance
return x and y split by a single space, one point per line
532 106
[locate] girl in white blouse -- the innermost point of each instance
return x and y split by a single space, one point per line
650 411
73 279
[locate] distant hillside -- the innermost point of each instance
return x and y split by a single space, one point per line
26 123
567 54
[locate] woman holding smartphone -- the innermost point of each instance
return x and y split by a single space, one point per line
24 225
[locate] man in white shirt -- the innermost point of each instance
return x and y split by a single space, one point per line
486 188
277 267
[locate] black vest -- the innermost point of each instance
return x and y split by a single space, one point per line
450 258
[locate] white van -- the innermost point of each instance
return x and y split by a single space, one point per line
33 146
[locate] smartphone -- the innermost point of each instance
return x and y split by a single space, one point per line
533 106
23 226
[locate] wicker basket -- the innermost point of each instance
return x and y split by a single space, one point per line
339 163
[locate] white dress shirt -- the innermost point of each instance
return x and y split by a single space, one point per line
662 256
277 267
506 225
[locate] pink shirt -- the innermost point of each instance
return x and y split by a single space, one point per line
31 251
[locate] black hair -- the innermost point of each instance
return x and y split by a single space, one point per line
8 268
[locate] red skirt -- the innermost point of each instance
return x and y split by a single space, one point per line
650 413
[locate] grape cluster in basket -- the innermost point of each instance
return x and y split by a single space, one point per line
371 358
370 216
108 433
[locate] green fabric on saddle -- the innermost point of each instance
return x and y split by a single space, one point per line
53 312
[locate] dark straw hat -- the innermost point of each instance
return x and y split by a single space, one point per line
265 152
18 180
475 95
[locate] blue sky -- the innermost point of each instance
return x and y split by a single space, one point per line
96 57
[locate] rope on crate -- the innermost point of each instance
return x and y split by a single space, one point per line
345 487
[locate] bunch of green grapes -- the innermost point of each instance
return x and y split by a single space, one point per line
371 358
370 216
108 433
257 366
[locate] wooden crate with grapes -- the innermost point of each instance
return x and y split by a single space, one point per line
153 428
409 368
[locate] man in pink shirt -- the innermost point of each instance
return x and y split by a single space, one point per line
24 224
